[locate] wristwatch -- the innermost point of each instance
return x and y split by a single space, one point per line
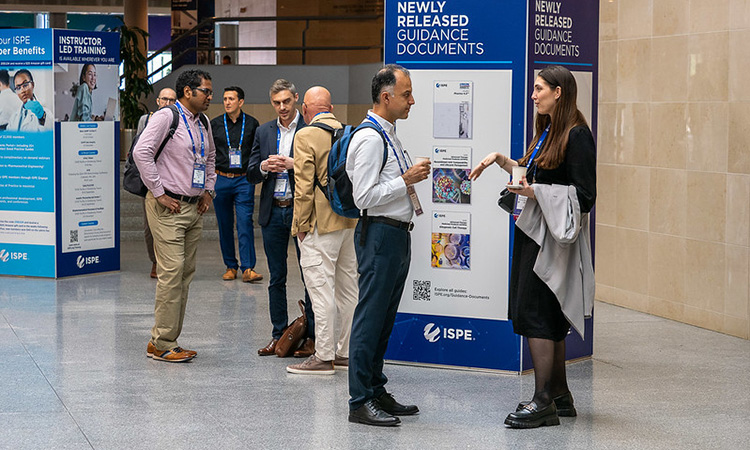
212 193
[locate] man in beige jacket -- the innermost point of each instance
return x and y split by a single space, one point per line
326 241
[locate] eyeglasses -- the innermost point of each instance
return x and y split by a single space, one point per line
206 91
167 100
23 86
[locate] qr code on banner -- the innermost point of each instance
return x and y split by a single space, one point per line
422 291
73 236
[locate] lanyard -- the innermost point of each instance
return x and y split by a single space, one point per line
278 140
538 146
242 133
393 147
200 129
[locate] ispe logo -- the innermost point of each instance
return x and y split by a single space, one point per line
81 261
432 333
6 255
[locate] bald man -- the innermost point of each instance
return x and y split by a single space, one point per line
326 241
167 96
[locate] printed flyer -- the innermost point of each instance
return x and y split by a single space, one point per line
452 110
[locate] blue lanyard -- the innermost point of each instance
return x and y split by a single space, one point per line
200 129
393 147
242 133
278 140
538 146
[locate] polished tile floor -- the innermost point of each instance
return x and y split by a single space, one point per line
74 375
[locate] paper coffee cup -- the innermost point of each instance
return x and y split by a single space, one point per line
518 173
422 158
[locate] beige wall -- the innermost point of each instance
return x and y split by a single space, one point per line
673 213
351 114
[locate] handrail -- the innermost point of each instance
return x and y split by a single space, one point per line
214 20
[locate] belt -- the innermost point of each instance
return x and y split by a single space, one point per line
230 175
282 203
406 226
182 198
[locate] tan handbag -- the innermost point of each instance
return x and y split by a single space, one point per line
294 335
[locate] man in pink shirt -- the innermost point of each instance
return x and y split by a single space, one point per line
180 184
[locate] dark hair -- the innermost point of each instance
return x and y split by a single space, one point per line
19 72
385 80
83 73
4 77
565 116
190 78
238 90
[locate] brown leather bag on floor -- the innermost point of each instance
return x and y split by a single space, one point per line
294 335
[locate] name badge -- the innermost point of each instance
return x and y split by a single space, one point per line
414 200
199 175
282 184
235 158
520 204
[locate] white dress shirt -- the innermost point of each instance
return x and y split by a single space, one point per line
380 193
285 148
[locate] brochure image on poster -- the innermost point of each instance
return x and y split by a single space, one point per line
450 175
86 92
88 220
451 240
453 113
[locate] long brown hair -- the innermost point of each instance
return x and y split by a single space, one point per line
565 116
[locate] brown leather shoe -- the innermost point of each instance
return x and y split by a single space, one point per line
249 275
269 349
230 275
153 270
307 349
151 349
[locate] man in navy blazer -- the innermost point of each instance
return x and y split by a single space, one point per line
272 164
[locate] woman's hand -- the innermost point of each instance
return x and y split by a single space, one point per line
527 190
486 162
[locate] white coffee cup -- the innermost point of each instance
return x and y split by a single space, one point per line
422 158
518 173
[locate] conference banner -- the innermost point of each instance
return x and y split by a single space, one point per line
470 67
56 178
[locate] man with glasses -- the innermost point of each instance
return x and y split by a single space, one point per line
180 185
31 116
167 96
234 132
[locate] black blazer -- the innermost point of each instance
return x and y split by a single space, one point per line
264 145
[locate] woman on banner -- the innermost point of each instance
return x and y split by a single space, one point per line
82 104
552 278
32 115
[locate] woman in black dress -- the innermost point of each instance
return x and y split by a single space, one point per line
566 155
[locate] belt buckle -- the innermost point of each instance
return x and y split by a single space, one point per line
410 227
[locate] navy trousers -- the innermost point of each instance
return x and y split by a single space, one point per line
235 194
276 245
383 264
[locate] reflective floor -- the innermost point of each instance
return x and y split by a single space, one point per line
74 375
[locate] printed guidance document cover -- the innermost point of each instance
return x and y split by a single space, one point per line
453 111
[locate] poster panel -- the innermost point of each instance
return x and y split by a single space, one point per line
467 63
27 165
87 123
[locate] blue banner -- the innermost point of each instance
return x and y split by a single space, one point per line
455 341
73 46
27 260
31 47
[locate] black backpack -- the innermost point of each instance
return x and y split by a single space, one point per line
338 188
131 179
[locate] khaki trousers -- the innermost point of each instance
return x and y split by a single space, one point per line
329 265
176 238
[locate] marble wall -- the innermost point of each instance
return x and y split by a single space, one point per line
673 213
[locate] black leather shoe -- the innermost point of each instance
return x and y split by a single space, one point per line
391 406
563 403
532 417
372 414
